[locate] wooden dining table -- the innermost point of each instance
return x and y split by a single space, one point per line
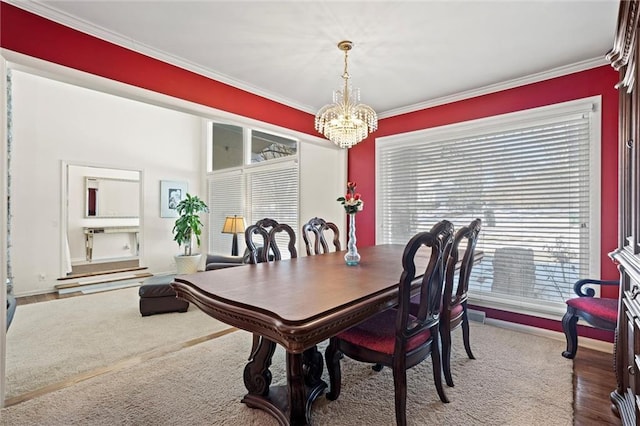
296 303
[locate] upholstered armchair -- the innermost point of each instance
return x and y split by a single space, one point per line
599 312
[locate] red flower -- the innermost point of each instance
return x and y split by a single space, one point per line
352 201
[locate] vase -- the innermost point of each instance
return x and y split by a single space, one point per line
352 257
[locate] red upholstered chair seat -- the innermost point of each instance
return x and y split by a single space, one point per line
456 310
606 309
601 313
378 333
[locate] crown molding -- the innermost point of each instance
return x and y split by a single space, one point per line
48 12
83 26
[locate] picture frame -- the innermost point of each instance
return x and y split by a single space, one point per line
171 193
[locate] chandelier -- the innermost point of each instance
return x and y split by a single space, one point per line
346 122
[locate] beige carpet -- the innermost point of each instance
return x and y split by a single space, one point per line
518 379
51 341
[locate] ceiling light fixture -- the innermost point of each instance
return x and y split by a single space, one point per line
346 122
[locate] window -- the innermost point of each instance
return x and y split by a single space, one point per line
266 185
533 177
265 146
227 146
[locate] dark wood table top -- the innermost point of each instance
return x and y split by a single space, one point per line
298 302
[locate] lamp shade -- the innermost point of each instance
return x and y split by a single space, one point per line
233 225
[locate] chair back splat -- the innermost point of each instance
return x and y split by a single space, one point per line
314 239
396 338
268 229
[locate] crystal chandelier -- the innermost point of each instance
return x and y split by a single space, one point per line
346 122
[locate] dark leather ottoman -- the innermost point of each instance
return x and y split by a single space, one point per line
157 296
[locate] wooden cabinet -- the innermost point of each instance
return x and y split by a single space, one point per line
624 58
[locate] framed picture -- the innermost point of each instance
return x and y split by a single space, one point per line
171 193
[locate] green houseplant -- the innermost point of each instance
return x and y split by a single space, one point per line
187 230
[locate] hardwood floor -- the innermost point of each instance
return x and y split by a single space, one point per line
593 381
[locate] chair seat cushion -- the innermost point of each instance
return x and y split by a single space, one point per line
456 310
379 333
606 309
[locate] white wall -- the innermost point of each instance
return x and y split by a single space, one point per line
321 185
55 122
3 234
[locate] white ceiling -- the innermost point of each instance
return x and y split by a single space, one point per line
406 55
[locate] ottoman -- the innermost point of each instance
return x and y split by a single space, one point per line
157 296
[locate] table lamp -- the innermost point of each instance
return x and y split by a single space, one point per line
233 225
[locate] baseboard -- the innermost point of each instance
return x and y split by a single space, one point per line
584 342
477 316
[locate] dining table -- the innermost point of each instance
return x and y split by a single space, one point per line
296 303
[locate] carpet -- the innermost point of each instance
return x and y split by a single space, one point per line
49 342
517 379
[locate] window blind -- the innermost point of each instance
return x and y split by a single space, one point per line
528 180
225 198
273 193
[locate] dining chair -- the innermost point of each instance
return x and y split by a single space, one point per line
395 338
599 312
268 230
314 239
454 303
258 254
440 228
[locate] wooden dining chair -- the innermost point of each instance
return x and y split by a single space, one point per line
395 338
314 238
441 228
268 230
454 298
599 312
257 253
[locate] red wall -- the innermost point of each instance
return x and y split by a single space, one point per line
29 34
597 81
35 36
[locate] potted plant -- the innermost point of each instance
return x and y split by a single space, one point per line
187 230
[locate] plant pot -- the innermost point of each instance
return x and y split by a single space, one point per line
188 264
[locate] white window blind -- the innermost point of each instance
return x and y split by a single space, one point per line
528 176
273 193
225 198
254 192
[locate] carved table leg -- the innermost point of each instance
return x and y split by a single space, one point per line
313 366
257 380
257 376
291 404
299 414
